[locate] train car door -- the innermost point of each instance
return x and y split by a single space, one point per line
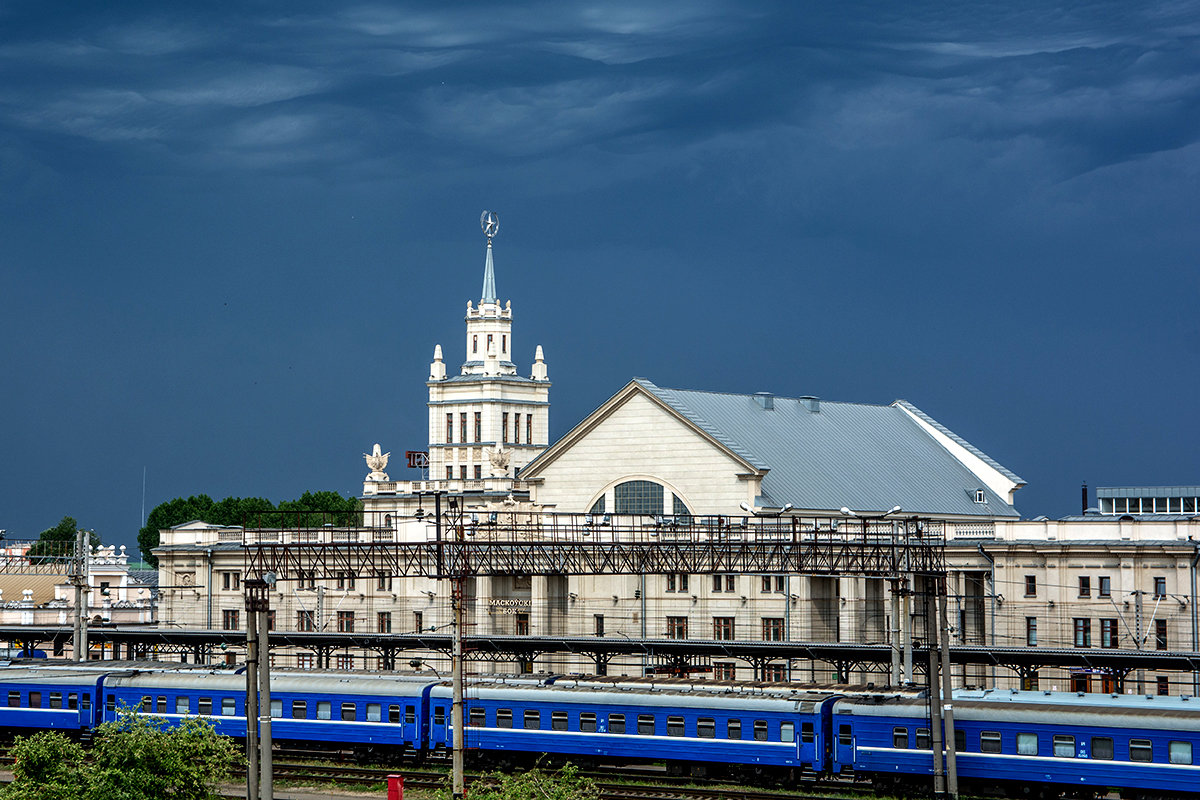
439 729
808 746
843 747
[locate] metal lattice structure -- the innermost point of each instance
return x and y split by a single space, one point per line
525 543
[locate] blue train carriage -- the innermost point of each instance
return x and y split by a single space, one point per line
374 716
45 698
1034 744
702 733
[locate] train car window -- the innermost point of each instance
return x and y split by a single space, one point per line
477 717
503 717
989 741
760 730
324 709
204 706
14 699
558 720
148 705
56 699
1027 744
110 703
733 729
73 700
349 712
706 728
533 719
439 715
35 699
276 708
85 702
228 706
674 726
1102 748
806 733
181 705
960 740
375 712
900 738
923 739
299 709
1064 745
161 704
787 731
587 721
1140 750
393 714
616 723
1179 752
645 725
410 715
844 735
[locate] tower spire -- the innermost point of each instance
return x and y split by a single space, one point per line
489 221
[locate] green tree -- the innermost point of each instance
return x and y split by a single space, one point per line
46 766
59 541
315 509
534 784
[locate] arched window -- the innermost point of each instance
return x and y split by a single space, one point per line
598 506
638 497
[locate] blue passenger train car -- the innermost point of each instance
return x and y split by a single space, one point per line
44 698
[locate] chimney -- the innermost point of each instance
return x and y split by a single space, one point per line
766 400
813 404
1084 508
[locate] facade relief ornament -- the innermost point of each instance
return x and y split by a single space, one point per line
498 457
377 460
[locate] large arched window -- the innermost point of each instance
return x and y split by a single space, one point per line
639 497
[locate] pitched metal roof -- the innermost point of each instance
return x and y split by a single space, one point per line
866 457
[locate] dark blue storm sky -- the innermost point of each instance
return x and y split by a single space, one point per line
231 233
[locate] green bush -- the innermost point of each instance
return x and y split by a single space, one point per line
535 784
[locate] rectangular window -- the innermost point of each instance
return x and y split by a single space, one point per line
1179 752
478 426
807 734
449 472
203 706
349 712
845 736
674 726
1085 586
760 730
305 660
960 740
676 627
418 621
504 718
345 661
1064 746
504 426
1163 684
516 428
374 712
772 628
231 581
1083 632
299 709
229 620
85 702
383 583
1160 634
462 426
616 723
1160 587
345 621
1031 585
383 620
723 628
181 705
731 583
706 728
160 704
73 700
733 729
922 739
410 715
717 583
1105 586
766 583
774 672
228 706
478 472
1109 635
533 720
439 715
529 429
504 343
476 717
110 704
521 623
787 732
558 720
1027 744
276 708
587 721
724 671
1102 748
56 699
645 724
1140 750
449 428
462 472
1031 631
14 699
598 624
394 714
324 709
779 584
900 738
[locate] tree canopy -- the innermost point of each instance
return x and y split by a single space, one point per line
311 509
134 758
59 541
535 784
